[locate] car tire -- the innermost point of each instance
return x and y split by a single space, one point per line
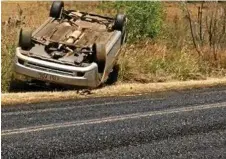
113 76
119 25
56 9
25 41
100 56
120 20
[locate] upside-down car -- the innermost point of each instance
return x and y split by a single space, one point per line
72 47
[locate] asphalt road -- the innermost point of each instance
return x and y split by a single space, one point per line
184 124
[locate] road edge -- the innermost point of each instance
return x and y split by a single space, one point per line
121 89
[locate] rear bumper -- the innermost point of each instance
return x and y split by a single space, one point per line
57 73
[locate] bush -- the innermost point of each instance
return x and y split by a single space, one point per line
144 18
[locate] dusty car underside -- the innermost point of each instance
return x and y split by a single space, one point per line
73 38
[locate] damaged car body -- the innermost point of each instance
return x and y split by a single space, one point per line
71 47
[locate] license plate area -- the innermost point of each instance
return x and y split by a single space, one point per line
47 77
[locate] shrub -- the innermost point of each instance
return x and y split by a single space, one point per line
144 18
208 30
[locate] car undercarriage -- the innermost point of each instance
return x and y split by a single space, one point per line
73 38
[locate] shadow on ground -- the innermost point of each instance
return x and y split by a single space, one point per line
38 86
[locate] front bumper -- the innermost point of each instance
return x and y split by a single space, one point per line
57 73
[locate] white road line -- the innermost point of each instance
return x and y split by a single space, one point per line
110 119
75 107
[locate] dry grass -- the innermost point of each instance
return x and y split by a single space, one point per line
153 62
170 57
116 90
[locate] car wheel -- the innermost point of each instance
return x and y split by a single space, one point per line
56 9
100 56
25 41
119 25
120 20
113 76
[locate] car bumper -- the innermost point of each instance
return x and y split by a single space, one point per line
56 73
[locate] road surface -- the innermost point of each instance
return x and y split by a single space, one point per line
183 124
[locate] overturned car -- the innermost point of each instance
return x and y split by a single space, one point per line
72 48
